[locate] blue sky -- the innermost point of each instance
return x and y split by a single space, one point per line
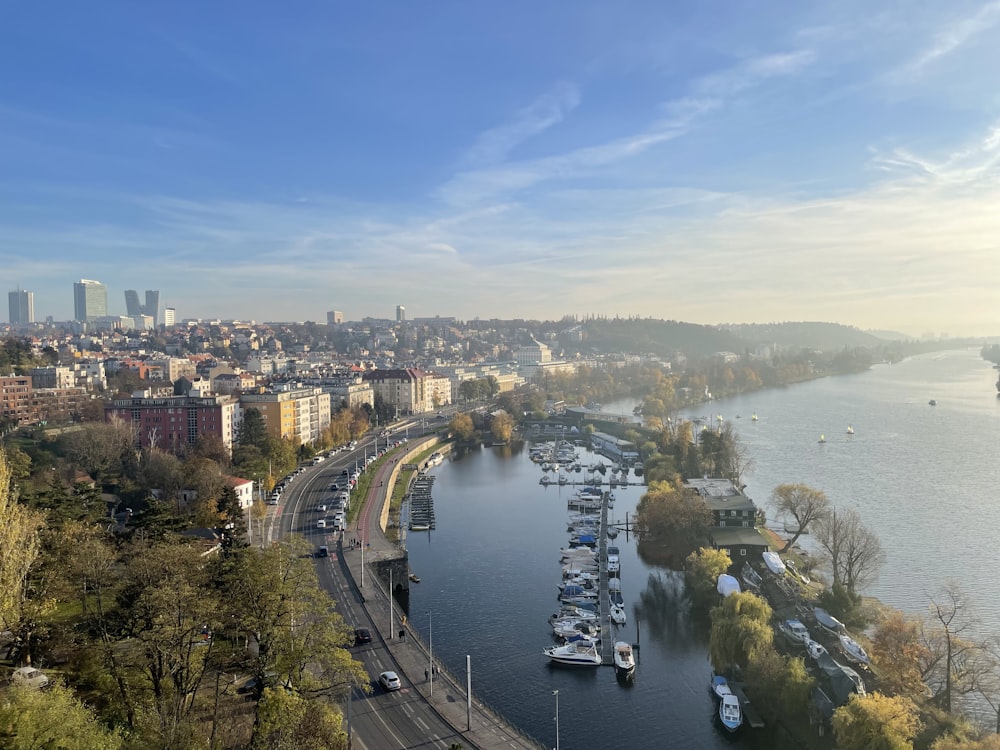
701 161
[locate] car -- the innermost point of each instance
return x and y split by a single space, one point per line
323 551
389 681
29 677
321 523
321 508
362 635
334 487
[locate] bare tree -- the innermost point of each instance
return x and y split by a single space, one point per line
802 503
957 664
853 550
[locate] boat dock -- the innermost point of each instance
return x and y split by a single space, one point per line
421 505
750 716
607 641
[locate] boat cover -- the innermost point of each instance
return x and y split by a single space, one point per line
773 562
728 585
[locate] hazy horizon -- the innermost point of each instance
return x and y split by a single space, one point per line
705 164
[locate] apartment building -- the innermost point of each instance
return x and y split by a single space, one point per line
292 411
169 422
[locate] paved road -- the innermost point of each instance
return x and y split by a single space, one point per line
423 714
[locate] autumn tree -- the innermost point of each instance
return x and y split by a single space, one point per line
854 552
741 630
502 426
876 722
462 428
781 684
701 572
989 742
898 654
19 548
803 504
676 519
102 449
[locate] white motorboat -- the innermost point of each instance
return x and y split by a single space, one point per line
727 585
795 632
815 649
570 628
730 713
853 650
720 686
773 562
829 622
573 655
624 659
617 614
573 612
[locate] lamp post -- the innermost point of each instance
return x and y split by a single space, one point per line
556 694
430 652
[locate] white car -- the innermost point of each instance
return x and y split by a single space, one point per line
29 677
321 509
321 523
389 681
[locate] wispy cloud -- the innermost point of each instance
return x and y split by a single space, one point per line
709 93
495 144
950 38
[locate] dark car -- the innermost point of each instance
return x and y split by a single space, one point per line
362 635
323 551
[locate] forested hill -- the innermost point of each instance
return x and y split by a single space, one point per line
656 336
827 337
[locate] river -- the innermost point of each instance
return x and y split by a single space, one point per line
921 476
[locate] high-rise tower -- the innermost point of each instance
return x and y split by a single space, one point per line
22 307
151 308
90 300
400 314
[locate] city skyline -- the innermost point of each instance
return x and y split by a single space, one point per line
712 165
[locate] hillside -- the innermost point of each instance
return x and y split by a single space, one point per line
828 337
656 336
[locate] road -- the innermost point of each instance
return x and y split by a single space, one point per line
379 720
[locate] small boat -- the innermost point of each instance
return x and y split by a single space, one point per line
573 655
793 630
563 479
727 585
730 713
853 650
850 429
612 532
545 479
624 658
720 686
773 562
815 649
573 612
414 577
617 614
932 402
822 438
754 417
751 578
829 622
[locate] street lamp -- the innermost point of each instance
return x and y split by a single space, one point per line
430 653
556 694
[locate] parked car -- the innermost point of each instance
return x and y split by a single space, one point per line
29 677
389 681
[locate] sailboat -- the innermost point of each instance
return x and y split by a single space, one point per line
822 438
850 429
754 417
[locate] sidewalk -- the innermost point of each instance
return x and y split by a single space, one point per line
446 694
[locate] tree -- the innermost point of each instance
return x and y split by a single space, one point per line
955 664
990 742
780 683
898 653
462 428
741 630
52 718
19 547
803 504
287 721
853 551
275 598
502 426
876 722
102 448
676 520
702 572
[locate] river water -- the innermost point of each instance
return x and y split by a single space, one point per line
922 477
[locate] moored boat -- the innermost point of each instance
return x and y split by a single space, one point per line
573 655
720 686
853 650
624 658
730 713
617 614
727 585
773 562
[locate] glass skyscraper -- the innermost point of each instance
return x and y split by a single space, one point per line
22 307
90 300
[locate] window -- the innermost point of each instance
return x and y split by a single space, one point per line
743 552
